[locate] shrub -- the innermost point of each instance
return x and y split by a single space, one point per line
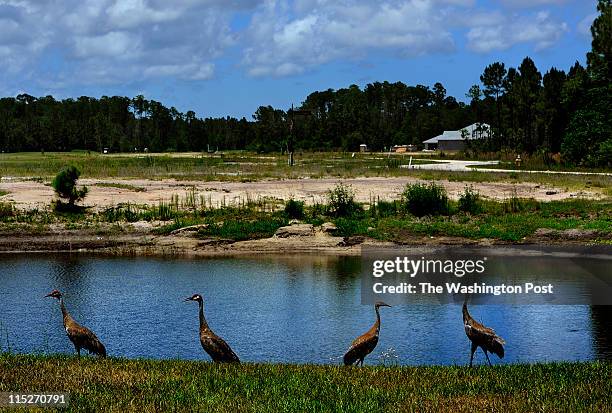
65 187
294 209
469 201
347 227
6 210
342 201
383 209
317 210
423 199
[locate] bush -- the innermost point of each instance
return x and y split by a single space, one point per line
422 199
347 227
6 210
294 209
469 201
383 209
64 185
342 201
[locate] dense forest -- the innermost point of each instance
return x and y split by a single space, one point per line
558 111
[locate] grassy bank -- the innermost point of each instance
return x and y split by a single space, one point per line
145 385
510 220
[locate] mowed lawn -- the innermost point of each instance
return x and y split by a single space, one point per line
146 385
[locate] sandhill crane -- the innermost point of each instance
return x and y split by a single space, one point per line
481 336
218 350
365 344
80 336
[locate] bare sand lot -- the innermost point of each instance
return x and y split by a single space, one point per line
27 194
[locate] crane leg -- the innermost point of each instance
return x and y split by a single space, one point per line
78 351
361 362
488 358
473 350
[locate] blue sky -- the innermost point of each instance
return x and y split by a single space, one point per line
227 57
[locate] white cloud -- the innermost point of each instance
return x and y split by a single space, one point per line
119 45
584 25
285 40
133 13
539 29
532 3
114 41
95 42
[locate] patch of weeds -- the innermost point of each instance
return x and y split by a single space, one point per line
294 209
347 227
121 186
342 201
243 230
425 199
469 201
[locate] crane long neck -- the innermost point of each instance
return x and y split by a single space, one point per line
63 307
65 316
377 323
203 323
466 314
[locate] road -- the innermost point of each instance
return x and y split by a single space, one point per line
464 166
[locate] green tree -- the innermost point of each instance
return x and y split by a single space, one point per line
528 86
553 111
493 81
599 59
588 138
65 187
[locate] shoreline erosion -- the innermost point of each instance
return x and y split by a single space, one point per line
143 243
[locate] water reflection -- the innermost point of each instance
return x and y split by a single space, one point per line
601 316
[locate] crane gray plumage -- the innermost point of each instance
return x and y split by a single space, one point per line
481 336
365 343
218 350
81 337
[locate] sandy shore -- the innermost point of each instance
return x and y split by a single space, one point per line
28 194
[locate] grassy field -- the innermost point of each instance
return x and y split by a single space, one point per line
202 166
146 385
248 166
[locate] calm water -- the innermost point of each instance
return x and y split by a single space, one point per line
302 309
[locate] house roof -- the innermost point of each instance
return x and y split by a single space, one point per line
454 135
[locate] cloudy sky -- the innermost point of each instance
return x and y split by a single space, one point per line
226 57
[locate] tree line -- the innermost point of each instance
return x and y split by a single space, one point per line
531 112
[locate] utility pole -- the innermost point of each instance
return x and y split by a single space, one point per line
291 140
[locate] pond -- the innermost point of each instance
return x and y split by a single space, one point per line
289 309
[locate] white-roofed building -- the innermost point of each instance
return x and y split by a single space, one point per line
452 140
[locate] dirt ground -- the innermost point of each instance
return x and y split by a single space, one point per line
27 194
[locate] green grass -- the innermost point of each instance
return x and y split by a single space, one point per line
148 385
249 166
121 186
240 230
511 221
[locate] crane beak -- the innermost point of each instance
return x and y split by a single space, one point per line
188 299
48 295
